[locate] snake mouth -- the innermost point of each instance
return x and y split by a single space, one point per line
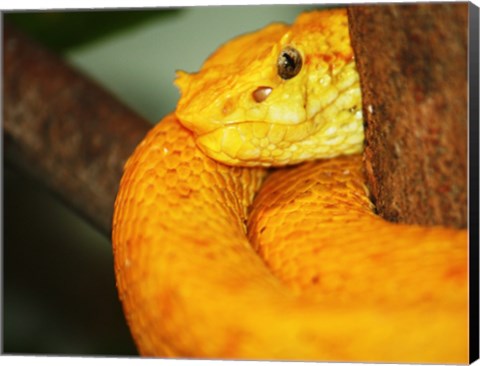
260 143
254 143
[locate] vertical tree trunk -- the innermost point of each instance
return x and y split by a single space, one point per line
412 61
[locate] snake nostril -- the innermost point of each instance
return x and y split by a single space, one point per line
261 93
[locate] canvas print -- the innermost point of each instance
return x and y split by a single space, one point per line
265 182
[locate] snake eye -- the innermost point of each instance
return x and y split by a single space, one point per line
289 63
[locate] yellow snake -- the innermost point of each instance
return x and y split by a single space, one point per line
216 258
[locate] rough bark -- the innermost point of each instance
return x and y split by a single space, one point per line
64 129
412 61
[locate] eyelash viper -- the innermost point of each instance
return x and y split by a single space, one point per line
221 259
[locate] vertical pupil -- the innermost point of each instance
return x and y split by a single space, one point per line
289 61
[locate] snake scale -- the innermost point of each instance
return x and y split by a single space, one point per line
216 256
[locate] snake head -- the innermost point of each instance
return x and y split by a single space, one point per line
278 96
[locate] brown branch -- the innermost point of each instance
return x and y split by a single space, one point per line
64 129
412 61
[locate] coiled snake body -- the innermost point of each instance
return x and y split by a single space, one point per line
217 258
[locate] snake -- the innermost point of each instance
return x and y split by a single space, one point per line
243 226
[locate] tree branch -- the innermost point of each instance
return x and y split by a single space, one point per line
64 129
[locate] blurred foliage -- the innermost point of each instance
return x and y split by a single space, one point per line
66 29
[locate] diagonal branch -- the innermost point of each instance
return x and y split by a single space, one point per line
64 129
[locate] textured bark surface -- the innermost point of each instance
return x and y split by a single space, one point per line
64 129
412 61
